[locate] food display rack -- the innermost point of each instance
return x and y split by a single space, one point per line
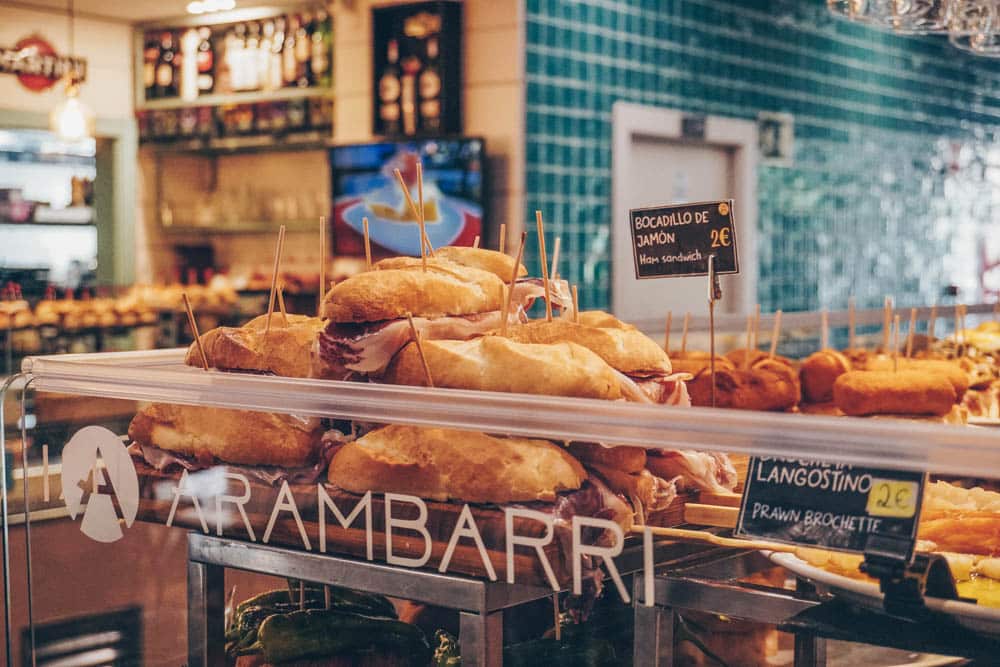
689 577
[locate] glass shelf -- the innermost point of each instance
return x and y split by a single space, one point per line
161 376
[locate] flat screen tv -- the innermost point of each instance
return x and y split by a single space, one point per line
364 187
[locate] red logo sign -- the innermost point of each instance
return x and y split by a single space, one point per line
38 66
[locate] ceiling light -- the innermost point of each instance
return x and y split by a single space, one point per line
208 6
71 119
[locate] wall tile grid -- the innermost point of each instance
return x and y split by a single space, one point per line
897 142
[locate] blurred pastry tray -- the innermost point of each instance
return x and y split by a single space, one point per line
978 618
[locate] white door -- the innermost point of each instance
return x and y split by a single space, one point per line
659 167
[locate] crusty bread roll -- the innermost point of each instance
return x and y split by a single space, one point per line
739 354
231 436
958 377
480 258
906 392
443 289
284 351
493 363
770 386
819 371
625 349
599 318
626 459
444 464
695 363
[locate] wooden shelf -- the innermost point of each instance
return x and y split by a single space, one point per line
293 141
248 97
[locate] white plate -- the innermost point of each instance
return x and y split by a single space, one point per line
972 616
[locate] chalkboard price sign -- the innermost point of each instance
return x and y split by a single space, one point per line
828 505
675 241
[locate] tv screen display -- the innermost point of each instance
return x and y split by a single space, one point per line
364 186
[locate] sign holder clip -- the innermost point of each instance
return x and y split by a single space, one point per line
904 578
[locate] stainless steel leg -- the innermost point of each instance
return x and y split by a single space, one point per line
206 606
481 639
810 651
653 645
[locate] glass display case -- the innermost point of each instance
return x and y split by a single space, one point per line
282 545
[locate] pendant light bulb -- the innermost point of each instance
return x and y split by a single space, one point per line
71 119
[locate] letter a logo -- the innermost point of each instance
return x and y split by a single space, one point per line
96 464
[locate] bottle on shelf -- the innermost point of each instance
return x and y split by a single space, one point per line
166 81
289 73
236 56
389 91
206 61
430 90
264 55
321 43
251 62
188 64
303 52
275 68
150 58
408 94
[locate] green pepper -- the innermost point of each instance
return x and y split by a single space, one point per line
325 632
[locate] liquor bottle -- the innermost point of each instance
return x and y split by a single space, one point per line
187 64
408 94
303 52
150 57
389 90
166 83
264 55
321 50
277 44
250 62
224 69
206 61
430 90
236 55
289 74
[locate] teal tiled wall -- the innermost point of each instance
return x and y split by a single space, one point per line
896 142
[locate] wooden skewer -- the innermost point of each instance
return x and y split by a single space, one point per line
475 242
746 352
423 219
420 350
326 597
555 259
302 595
895 344
756 323
576 305
886 323
851 324
684 334
503 235
666 335
910 331
322 264
416 214
291 592
932 323
703 536
510 289
775 334
194 330
540 227
958 322
368 245
274 278
555 612
824 329
281 304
